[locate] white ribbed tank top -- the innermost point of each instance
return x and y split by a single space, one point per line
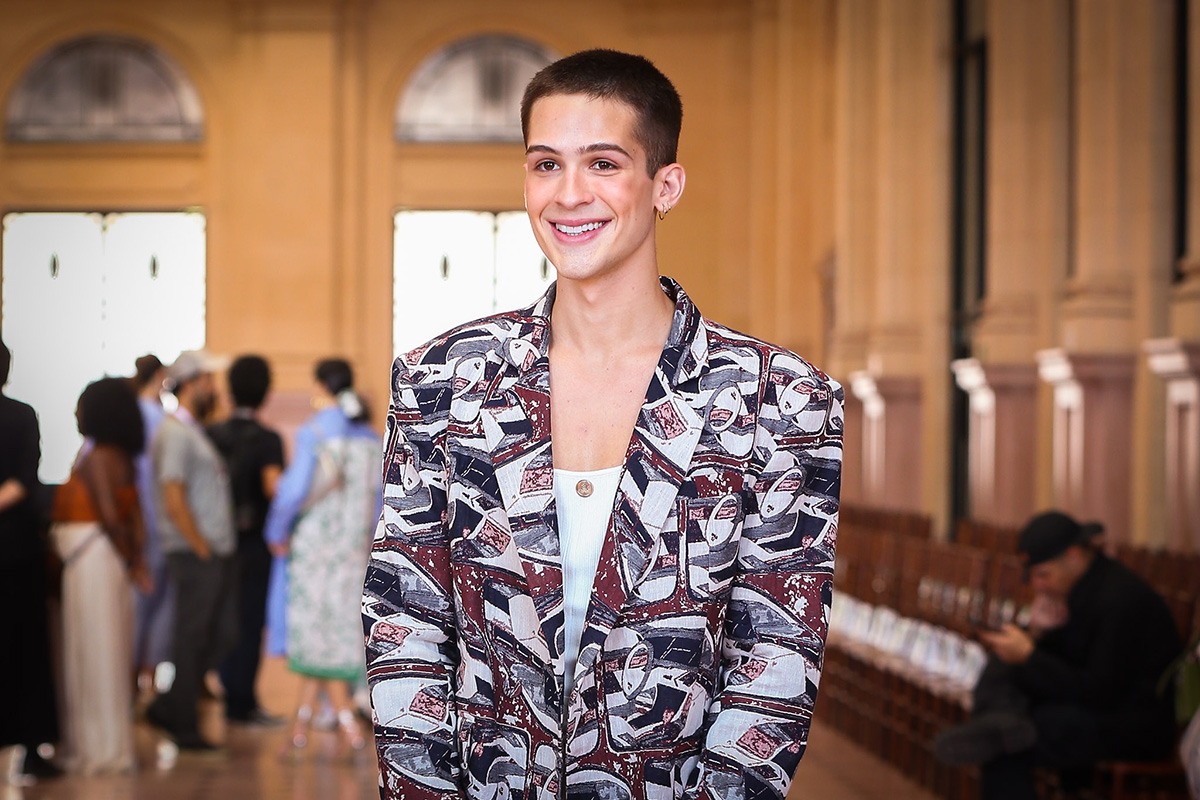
582 524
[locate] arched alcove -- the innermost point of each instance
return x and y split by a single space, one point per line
470 91
104 88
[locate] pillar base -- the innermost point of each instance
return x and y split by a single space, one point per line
1178 364
1093 407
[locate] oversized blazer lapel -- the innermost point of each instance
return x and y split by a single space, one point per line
660 452
516 425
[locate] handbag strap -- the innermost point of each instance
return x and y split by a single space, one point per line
74 555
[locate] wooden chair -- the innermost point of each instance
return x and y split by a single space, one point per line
1127 780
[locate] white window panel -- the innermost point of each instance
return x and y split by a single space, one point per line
51 323
155 287
444 271
493 264
101 311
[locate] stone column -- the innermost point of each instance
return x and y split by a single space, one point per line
856 183
1027 178
854 239
1185 316
1028 204
1124 182
1093 405
1122 243
1178 363
908 341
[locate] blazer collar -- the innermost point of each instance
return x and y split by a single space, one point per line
684 356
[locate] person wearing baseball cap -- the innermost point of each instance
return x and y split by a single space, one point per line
1079 690
1046 538
198 536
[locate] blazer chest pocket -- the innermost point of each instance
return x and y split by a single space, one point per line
712 529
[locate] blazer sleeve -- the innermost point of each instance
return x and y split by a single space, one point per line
778 613
408 604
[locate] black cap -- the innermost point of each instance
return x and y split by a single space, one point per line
1047 536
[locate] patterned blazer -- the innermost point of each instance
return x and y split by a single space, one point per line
703 642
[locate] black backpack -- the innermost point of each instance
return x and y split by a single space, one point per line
235 439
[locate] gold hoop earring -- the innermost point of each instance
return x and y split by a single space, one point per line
662 212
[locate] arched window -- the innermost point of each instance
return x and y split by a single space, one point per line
470 91
104 88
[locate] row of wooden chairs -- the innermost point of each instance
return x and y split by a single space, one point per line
901 659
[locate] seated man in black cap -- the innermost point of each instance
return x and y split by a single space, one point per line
1081 689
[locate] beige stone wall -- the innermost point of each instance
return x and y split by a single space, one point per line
817 139
299 175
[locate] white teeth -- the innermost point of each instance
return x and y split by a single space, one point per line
575 230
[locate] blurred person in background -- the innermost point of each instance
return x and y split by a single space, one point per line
29 716
154 609
97 531
195 520
1081 685
253 455
321 521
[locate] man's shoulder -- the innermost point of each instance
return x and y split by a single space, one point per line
1123 594
175 432
727 345
478 337
1123 583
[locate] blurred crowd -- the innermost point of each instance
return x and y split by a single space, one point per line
178 551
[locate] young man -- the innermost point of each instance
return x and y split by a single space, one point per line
195 507
253 454
636 606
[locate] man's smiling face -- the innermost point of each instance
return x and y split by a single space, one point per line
589 198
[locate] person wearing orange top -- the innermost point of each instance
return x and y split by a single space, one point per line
97 530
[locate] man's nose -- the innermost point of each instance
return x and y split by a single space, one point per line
573 189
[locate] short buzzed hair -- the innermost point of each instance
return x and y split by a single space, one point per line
613 75
249 380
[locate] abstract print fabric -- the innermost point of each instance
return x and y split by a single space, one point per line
702 645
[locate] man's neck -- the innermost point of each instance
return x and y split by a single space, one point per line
610 313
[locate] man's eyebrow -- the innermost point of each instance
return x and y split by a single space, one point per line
597 147
603 146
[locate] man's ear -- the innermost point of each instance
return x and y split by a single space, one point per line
668 186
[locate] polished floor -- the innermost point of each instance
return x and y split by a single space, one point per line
252 767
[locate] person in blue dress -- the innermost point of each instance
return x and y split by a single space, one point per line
154 609
319 529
